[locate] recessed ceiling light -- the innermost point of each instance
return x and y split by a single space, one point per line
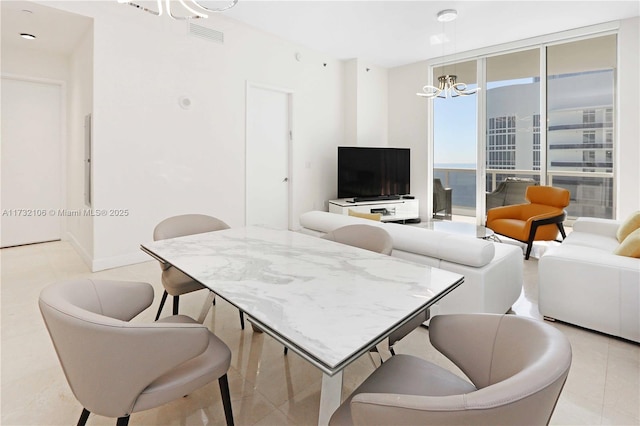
27 36
447 15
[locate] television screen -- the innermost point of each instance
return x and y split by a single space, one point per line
372 172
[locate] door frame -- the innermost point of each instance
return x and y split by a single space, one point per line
289 93
62 85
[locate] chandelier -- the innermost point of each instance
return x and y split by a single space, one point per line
195 8
448 87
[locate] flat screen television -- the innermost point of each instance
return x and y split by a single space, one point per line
365 172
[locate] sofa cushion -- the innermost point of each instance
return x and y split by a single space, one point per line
596 241
441 245
629 225
630 247
596 225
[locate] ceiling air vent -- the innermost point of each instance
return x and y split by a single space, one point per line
206 33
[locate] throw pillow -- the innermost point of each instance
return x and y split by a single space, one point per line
630 247
628 226
370 216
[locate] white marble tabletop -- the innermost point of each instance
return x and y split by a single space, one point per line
327 301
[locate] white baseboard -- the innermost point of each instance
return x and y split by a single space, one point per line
108 262
84 255
118 261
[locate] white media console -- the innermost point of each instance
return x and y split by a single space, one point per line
391 210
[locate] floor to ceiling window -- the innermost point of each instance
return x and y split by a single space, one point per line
573 148
513 118
580 132
455 138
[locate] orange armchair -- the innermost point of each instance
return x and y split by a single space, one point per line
538 220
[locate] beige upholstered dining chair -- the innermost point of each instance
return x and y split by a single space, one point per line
372 238
517 367
115 367
175 282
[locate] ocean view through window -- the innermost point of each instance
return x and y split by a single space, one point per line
577 141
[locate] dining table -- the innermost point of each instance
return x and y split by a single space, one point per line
328 302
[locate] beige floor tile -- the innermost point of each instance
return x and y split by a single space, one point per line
574 409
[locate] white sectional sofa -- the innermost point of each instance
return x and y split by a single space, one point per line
582 282
492 271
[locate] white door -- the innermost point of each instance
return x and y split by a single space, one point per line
31 162
267 146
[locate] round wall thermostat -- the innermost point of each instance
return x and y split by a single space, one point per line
184 102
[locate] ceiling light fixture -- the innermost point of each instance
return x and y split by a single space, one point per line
196 12
447 15
27 36
448 87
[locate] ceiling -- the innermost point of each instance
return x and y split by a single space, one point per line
386 33
392 33
56 31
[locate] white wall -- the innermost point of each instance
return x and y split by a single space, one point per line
34 63
80 103
366 104
372 110
351 102
408 123
156 159
628 156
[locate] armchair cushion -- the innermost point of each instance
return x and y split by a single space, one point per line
549 196
630 247
628 226
515 221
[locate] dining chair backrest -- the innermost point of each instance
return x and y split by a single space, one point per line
368 237
187 224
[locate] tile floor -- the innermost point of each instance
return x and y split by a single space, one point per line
267 388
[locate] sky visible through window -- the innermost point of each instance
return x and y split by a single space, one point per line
455 127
